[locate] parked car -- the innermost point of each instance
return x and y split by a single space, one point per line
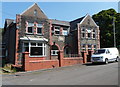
105 55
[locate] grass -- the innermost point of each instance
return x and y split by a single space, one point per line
7 69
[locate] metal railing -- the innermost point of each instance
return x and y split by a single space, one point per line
72 55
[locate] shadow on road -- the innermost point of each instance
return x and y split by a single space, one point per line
94 64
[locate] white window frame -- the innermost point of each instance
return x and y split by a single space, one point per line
56 52
83 31
43 48
30 25
94 34
65 31
39 26
56 30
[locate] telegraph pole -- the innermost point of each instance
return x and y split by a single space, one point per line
114 32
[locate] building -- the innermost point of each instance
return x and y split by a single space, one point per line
33 41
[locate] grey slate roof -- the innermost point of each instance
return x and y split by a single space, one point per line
64 23
73 23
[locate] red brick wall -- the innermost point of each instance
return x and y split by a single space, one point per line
32 63
36 63
72 61
43 64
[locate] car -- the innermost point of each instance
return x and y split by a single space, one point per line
105 55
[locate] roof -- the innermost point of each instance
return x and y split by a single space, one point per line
77 20
64 23
74 22
30 11
8 22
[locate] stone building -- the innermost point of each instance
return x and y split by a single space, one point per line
33 41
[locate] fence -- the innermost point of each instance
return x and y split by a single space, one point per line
72 55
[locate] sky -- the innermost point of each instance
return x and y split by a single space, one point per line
65 11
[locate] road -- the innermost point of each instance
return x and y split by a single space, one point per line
89 74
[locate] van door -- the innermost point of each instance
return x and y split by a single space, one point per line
109 55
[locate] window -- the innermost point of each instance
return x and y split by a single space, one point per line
93 35
26 47
83 32
83 46
83 29
89 35
39 29
35 49
65 31
30 28
83 35
57 30
35 12
94 46
89 46
54 50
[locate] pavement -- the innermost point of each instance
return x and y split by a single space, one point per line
87 74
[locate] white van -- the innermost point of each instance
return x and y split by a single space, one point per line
105 55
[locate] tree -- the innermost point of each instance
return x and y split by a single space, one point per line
104 20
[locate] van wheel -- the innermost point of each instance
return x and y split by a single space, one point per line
106 61
117 59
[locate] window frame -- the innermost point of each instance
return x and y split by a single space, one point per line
83 32
56 30
39 26
30 46
56 52
30 25
65 31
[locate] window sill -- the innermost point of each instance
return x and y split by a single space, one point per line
29 33
37 56
54 55
40 34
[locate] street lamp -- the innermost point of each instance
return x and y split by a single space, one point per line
114 32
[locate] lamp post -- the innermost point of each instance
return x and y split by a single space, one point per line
114 32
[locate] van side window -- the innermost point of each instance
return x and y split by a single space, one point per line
107 52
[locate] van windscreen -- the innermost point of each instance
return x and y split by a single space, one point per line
100 51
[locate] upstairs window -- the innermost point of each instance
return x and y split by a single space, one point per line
89 35
35 12
83 35
39 29
57 30
65 31
89 46
30 27
94 36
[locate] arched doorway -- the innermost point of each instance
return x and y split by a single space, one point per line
67 51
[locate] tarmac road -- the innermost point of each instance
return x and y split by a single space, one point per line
89 74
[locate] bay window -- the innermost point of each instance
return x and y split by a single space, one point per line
35 49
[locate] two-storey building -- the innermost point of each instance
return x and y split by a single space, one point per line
34 41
